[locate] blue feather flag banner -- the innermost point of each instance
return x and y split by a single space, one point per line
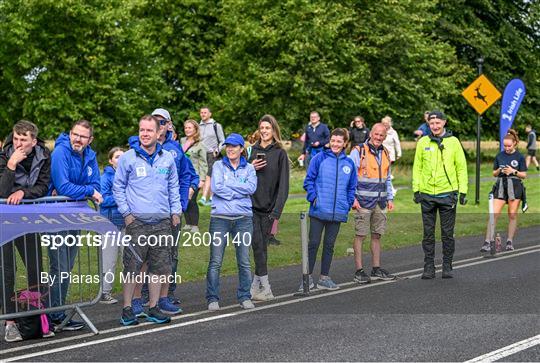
514 93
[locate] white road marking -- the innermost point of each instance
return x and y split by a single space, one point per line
507 351
481 261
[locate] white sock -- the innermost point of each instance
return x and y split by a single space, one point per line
264 281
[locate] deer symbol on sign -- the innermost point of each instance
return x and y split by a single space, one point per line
479 96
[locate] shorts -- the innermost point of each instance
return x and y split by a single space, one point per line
505 191
531 152
211 160
366 220
157 255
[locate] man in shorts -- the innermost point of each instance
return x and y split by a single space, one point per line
373 198
147 193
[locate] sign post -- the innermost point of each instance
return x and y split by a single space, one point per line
480 94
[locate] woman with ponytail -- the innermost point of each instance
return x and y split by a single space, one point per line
510 169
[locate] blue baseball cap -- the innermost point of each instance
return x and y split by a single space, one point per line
234 140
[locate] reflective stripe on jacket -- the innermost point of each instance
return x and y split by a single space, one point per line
372 175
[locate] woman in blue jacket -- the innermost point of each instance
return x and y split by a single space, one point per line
233 182
330 185
109 209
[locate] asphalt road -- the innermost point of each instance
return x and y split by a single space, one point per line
490 304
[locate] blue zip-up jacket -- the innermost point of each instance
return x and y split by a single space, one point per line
73 175
233 188
330 185
321 133
187 176
147 186
109 208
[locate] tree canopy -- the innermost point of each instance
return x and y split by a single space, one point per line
112 61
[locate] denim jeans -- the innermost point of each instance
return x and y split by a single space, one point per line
61 260
240 232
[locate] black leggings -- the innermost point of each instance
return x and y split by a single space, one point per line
262 226
30 251
192 211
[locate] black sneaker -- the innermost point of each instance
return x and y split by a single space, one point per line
128 317
447 271
156 316
381 274
71 325
273 241
361 277
429 271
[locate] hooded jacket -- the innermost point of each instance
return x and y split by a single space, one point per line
392 144
35 182
232 188
439 166
73 175
197 155
272 181
109 208
147 186
330 185
187 176
358 135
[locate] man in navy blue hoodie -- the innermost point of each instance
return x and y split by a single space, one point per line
317 136
74 174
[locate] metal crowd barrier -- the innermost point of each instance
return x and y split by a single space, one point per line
34 258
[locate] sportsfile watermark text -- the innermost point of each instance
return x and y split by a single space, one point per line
120 239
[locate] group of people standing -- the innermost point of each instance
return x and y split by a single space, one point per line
146 189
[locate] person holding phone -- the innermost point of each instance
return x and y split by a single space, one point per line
510 169
271 164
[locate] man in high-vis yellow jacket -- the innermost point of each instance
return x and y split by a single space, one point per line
439 182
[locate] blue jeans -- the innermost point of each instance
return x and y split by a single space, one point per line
240 232
61 260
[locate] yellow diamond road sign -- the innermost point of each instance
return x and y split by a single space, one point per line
481 94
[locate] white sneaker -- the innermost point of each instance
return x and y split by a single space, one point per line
194 229
247 304
213 306
49 334
255 288
12 334
263 295
187 227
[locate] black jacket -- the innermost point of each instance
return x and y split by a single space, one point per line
358 135
34 183
272 181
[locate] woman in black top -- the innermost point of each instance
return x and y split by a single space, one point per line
510 169
272 166
358 131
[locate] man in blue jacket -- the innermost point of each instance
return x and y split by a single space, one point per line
146 191
74 174
189 182
317 136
